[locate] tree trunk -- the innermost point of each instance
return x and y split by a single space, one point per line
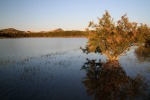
111 57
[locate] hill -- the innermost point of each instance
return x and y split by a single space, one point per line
10 30
58 30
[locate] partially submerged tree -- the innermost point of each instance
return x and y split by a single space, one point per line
112 39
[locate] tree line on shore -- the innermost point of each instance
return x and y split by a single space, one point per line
13 33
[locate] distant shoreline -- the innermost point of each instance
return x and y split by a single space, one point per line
59 33
42 37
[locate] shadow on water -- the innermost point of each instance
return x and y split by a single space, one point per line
109 81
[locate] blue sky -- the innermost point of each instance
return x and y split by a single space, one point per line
45 15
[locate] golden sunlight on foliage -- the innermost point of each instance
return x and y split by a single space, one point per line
113 38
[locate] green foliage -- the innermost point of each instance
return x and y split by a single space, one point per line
143 33
113 38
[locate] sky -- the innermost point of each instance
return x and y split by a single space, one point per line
46 15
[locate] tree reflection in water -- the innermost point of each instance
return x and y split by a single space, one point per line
109 81
143 54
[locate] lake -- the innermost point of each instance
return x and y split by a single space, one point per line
54 69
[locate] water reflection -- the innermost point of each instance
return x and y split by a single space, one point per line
109 81
143 54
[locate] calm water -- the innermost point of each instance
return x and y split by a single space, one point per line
52 69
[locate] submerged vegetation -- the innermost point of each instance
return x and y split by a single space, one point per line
113 38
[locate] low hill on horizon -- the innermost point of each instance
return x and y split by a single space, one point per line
10 30
58 30
13 30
